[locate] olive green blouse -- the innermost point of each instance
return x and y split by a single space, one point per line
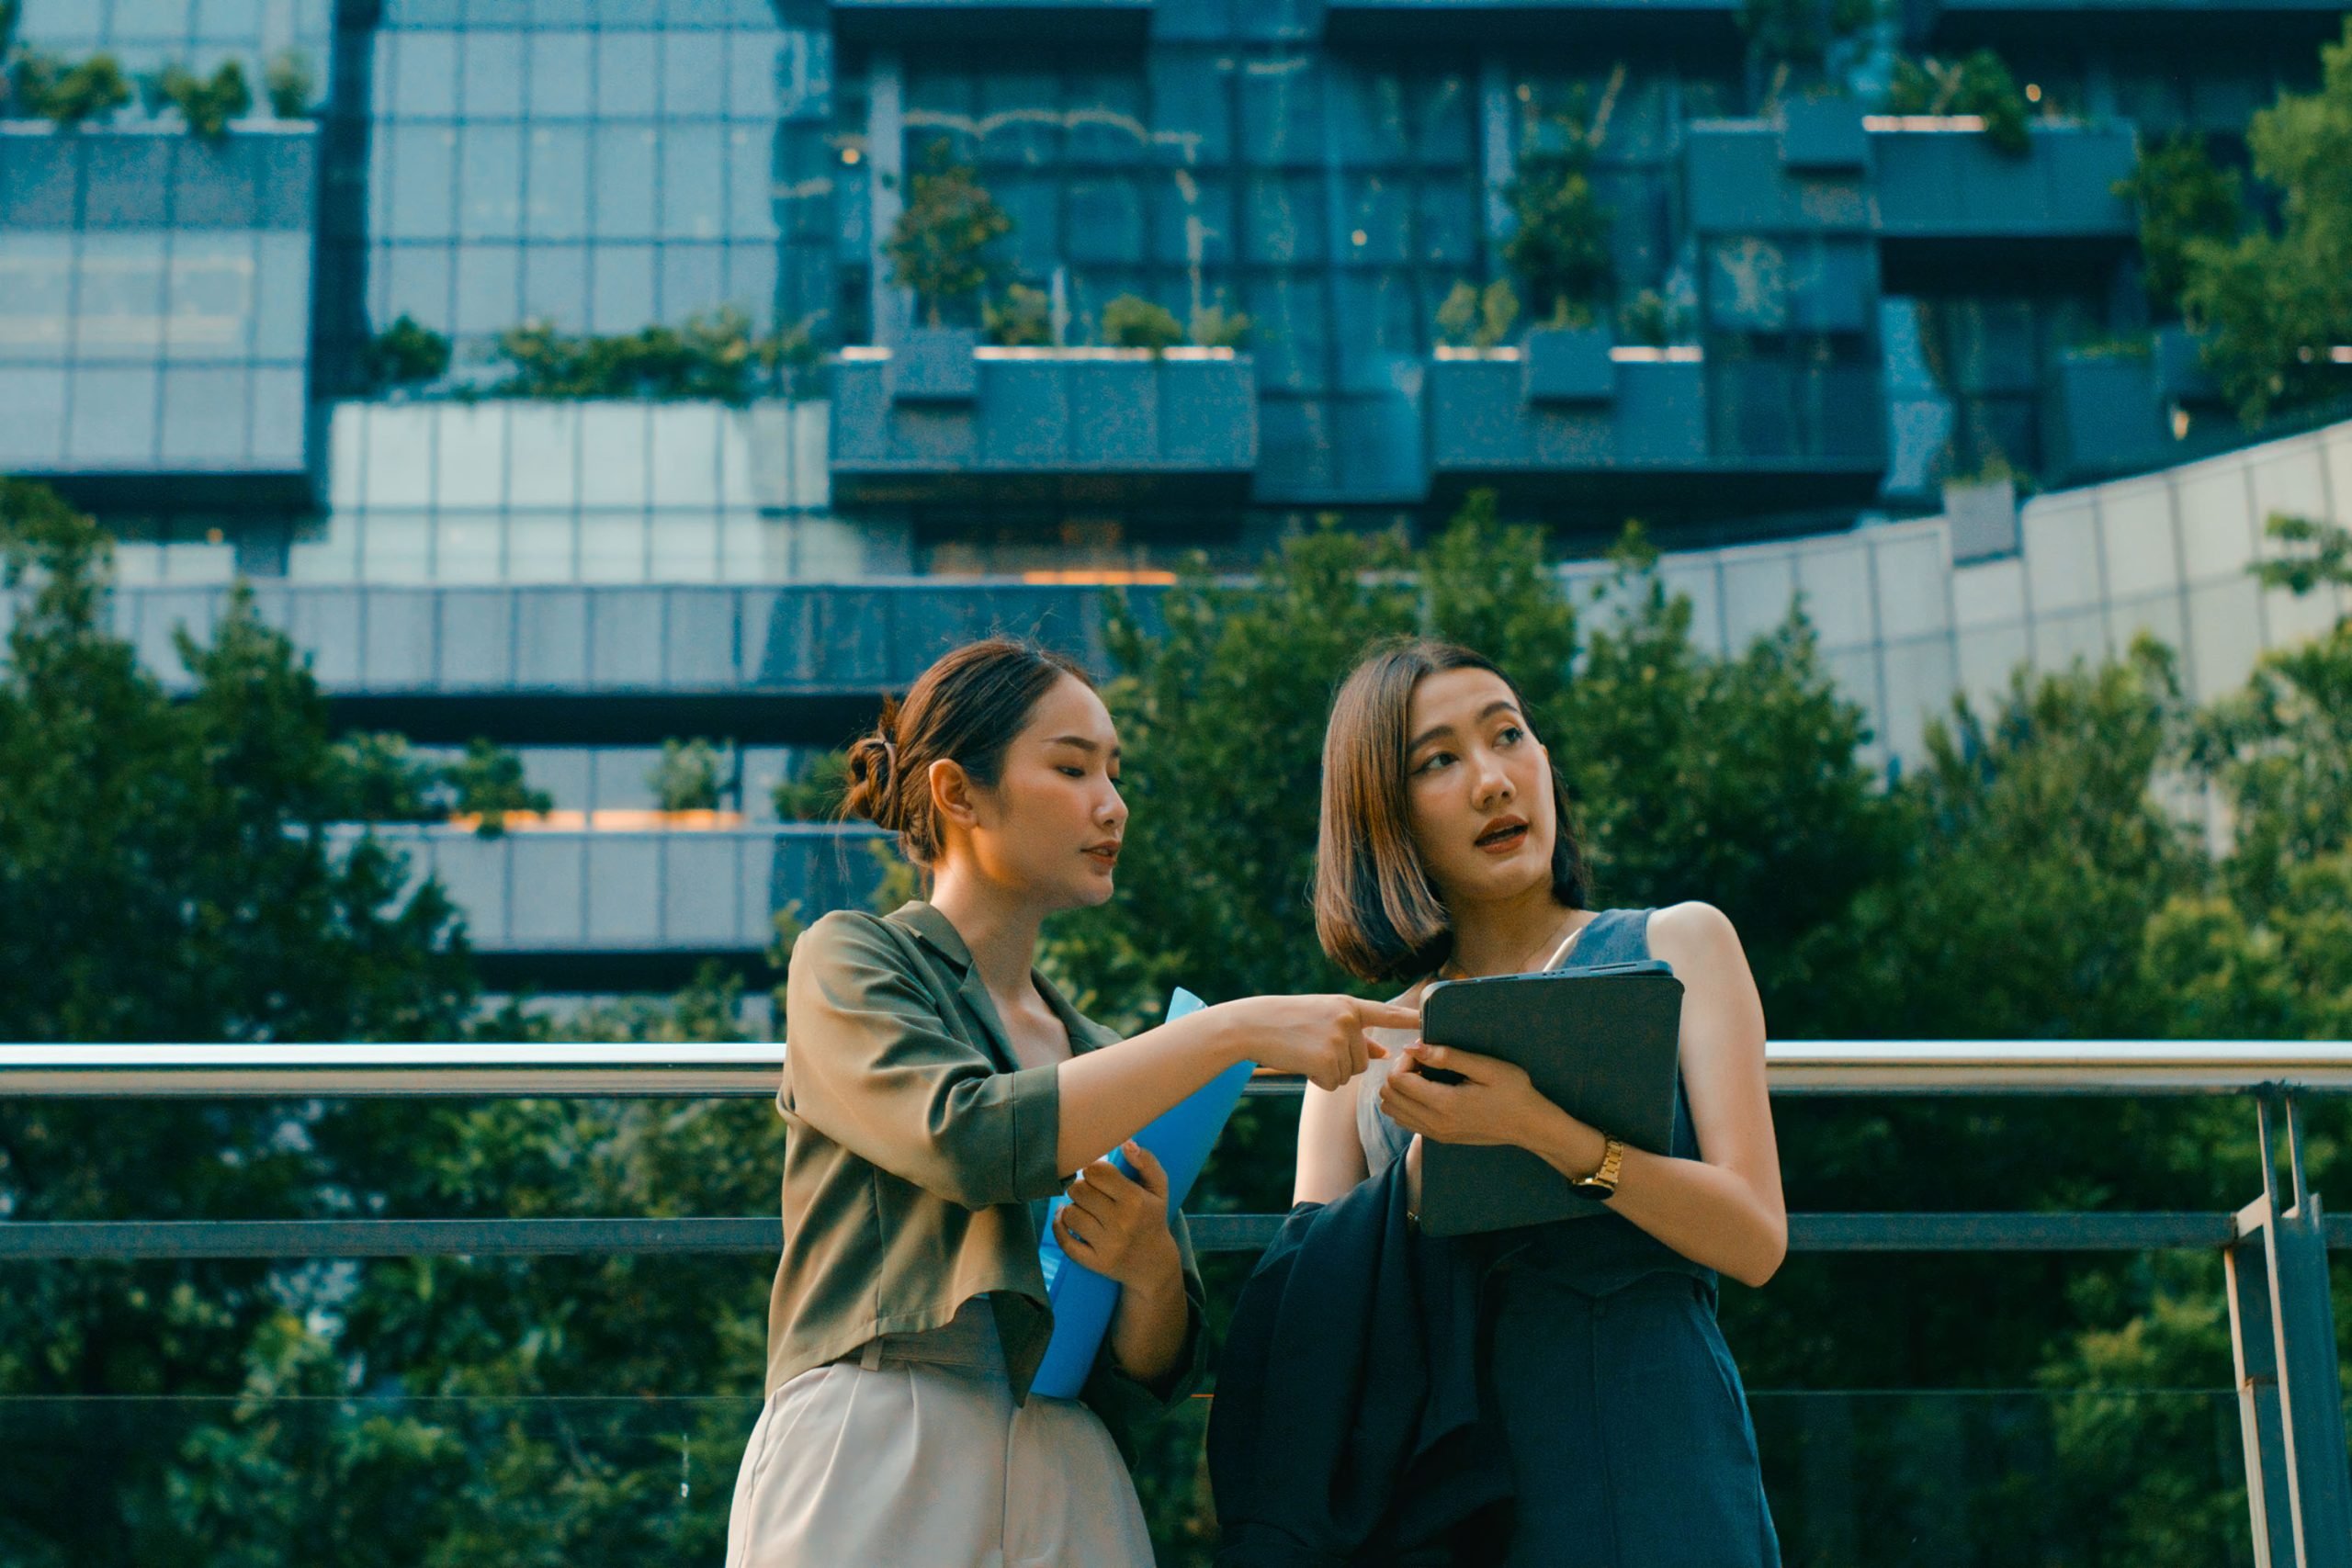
918 1155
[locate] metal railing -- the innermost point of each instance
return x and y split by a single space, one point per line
2274 1249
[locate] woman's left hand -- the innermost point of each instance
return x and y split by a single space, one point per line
1494 1103
1117 1225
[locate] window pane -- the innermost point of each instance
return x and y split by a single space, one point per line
423 167
694 182
625 165
210 302
35 284
693 74
622 298
628 73
561 62
558 191
424 74
490 181
494 85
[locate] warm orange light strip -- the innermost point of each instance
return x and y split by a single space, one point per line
607 821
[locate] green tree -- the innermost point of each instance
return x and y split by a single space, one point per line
1559 241
165 876
2273 301
2179 195
939 246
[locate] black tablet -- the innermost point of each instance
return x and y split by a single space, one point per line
1602 1042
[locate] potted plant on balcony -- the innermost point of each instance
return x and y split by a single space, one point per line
291 83
207 103
1980 84
1478 318
939 249
1981 506
67 96
1559 249
690 776
1132 322
1022 319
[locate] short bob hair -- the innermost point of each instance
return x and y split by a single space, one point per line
1376 911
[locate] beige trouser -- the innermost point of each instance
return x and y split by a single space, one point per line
916 1457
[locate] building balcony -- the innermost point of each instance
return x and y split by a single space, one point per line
1969 24
1933 186
787 665
1691 25
868 24
155 313
941 419
1592 431
602 907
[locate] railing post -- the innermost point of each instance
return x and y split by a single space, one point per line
2282 1332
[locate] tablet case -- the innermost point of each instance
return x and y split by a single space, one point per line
1601 1043
1082 1300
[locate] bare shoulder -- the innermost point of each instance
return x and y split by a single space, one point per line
1694 936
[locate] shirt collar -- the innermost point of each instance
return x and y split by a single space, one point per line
939 933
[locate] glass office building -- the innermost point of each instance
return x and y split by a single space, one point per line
1815 315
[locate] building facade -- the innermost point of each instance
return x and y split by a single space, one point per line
542 364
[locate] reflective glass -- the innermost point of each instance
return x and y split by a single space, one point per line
694 182
490 181
424 74
113 415
561 68
556 189
621 288
629 74
494 64
624 173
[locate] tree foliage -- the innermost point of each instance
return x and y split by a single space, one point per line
939 247
2274 300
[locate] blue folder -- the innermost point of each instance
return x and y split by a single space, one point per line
1081 1299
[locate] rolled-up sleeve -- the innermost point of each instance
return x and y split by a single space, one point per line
870 1064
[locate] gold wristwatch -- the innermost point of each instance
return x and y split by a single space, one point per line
1601 1183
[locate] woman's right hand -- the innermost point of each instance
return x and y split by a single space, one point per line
1320 1037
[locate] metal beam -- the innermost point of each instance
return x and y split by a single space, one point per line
30 1240
754 1071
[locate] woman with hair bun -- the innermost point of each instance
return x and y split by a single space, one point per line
938 1093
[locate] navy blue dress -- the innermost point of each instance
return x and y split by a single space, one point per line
1628 1431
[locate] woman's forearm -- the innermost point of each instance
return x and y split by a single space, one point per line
1147 1330
1706 1213
1108 1095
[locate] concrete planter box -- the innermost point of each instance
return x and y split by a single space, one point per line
1483 422
934 365
1569 364
1912 185
1938 185
1095 415
1823 136
1984 519
2102 416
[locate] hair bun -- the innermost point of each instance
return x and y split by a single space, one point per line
873 791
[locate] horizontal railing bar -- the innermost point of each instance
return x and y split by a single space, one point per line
752 1071
29 1241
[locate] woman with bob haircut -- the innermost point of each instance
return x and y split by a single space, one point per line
1447 851
937 1093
